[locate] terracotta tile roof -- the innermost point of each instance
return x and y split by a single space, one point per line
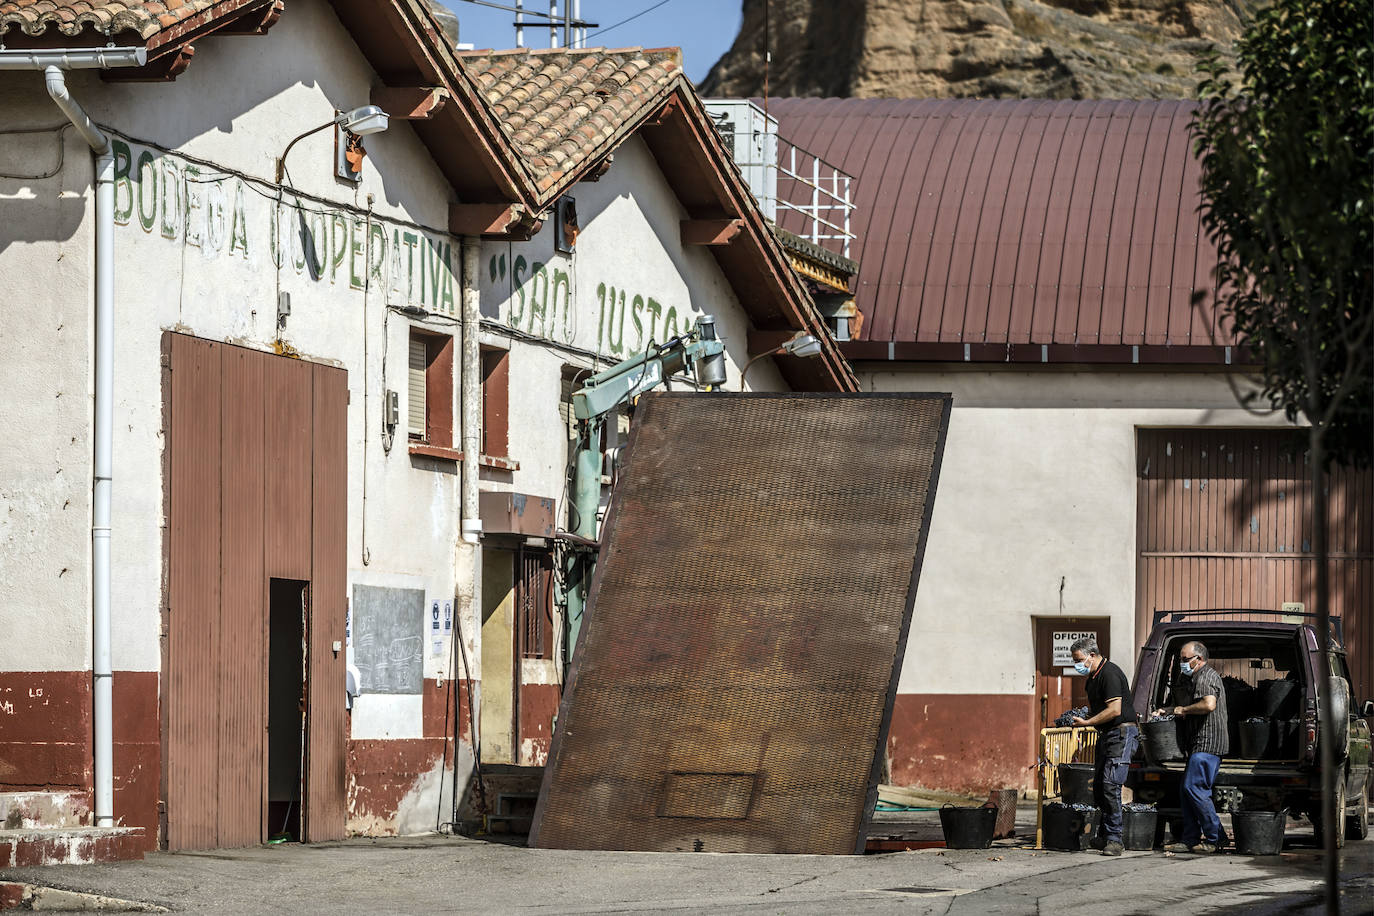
561 108
108 17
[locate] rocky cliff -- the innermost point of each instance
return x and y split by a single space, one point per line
975 48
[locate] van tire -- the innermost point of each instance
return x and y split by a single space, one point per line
1315 815
1357 824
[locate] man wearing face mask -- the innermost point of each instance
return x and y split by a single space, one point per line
1118 735
1201 697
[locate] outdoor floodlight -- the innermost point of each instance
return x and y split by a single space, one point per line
802 346
360 122
363 121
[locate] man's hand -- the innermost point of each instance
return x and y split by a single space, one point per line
1158 712
1180 710
1079 721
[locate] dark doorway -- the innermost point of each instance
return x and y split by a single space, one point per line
288 606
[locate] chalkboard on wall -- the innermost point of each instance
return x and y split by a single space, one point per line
388 638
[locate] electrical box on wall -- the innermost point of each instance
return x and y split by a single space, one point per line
348 155
565 225
391 409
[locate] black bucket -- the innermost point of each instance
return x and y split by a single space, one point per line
1161 740
1068 828
1277 699
1076 783
1286 738
1258 833
968 828
1138 828
1256 739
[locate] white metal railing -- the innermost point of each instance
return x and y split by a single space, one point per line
786 178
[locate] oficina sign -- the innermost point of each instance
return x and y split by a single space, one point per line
225 215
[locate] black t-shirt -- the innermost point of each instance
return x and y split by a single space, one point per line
1107 682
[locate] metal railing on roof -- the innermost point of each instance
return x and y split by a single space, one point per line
787 179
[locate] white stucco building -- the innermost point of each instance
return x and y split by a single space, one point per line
288 408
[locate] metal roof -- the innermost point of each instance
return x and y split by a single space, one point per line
1034 230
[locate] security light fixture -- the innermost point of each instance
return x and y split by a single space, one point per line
352 126
801 345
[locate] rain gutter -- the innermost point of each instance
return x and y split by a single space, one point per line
54 65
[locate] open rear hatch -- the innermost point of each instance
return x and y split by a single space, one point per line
733 685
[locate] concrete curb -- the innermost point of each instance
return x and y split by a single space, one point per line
16 896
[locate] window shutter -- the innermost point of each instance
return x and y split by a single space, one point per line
415 401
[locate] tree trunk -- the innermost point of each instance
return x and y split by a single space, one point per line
1327 737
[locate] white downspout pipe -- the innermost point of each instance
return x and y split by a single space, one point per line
103 708
470 396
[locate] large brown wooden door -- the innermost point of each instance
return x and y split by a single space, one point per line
256 489
1055 690
1225 521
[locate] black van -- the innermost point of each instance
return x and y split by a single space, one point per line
1273 699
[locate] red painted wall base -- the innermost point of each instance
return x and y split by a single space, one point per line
969 743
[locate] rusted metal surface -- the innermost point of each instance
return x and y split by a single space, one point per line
517 513
326 726
193 443
733 687
257 451
1225 521
1069 223
241 694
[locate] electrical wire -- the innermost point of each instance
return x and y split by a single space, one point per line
617 25
60 130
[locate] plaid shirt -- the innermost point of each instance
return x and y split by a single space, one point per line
1205 734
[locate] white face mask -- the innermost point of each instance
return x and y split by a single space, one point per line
1186 668
1082 667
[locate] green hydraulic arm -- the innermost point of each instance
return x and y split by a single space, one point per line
699 351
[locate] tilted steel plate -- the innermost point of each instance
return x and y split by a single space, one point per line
733 685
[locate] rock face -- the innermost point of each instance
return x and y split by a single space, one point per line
976 48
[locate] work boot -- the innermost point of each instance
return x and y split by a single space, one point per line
1204 848
1112 848
1178 847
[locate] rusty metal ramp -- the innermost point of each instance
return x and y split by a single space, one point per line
733 685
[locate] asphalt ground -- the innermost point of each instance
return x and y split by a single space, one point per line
435 874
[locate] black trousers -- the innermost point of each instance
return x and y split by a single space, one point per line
1115 748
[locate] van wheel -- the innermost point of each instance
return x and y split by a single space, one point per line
1315 815
1357 824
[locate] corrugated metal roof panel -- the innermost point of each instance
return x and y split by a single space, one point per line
1019 222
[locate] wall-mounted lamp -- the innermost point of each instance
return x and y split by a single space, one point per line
350 127
800 345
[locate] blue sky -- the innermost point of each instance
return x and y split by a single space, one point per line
704 29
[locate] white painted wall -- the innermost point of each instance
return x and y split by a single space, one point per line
1038 484
194 253
555 310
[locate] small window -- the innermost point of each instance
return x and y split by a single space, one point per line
496 402
429 389
534 602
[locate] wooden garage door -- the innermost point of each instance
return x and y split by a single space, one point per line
257 488
1225 520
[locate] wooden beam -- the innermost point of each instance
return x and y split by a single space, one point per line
710 231
161 70
256 23
493 221
409 103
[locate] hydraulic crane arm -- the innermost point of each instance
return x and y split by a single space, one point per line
700 351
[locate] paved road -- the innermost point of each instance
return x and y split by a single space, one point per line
455 875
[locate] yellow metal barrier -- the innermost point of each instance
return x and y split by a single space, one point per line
1060 745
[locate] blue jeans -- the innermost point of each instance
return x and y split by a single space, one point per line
1115 748
1200 821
